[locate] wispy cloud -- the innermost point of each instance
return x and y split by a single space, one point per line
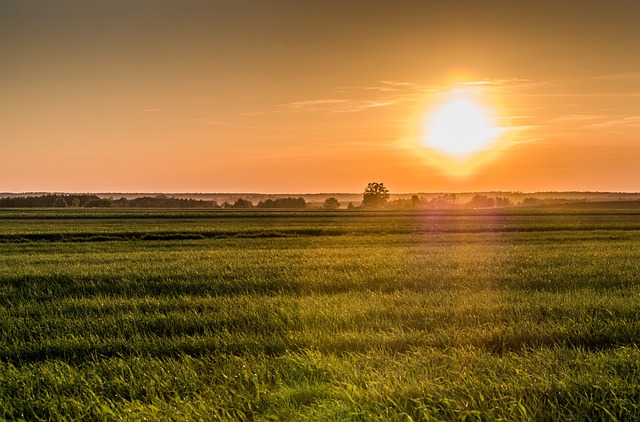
386 93
388 86
339 105
619 123
618 76
353 99
581 122
316 105
580 118
356 106
145 110
495 82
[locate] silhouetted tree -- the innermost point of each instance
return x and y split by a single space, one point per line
375 195
98 203
415 201
331 204
44 201
481 201
242 203
164 201
451 197
531 201
283 203
502 202
59 202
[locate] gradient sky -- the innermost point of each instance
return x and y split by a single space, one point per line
314 96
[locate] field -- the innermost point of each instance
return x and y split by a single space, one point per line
218 315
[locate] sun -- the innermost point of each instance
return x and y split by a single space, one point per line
460 128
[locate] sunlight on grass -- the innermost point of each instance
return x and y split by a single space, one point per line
414 317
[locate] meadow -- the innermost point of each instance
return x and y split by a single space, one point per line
514 314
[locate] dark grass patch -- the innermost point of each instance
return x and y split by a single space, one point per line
165 236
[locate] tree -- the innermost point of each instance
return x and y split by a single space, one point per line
451 197
415 201
283 203
59 202
242 203
98 203
331 204
481 201
502 202
375 195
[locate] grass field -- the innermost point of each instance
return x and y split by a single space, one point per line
217 315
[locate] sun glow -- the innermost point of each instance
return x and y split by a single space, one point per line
460 127
460 133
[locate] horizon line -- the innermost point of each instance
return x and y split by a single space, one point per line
513 192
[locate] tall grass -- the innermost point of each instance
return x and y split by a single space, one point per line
320 316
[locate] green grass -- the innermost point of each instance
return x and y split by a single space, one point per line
189 315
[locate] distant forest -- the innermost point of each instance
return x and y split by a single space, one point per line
425 201
159 201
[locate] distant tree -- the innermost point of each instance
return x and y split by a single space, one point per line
451 197
481 201
531 201
415 201
98 203
502 202
43 201
164 201
375 195
59 202
331 204
75 202
121 202
286 203
242 203
350 206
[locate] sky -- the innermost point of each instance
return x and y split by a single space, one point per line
307 96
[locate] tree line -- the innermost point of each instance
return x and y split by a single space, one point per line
94 201
159 201
296 203
375 196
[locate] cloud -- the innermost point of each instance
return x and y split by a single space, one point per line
495 82
145 110
315 105
618 123
356 106
594 121
333 105
389 86
361 98
576 118
388 93
618 76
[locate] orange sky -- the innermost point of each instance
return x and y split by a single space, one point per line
314 96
